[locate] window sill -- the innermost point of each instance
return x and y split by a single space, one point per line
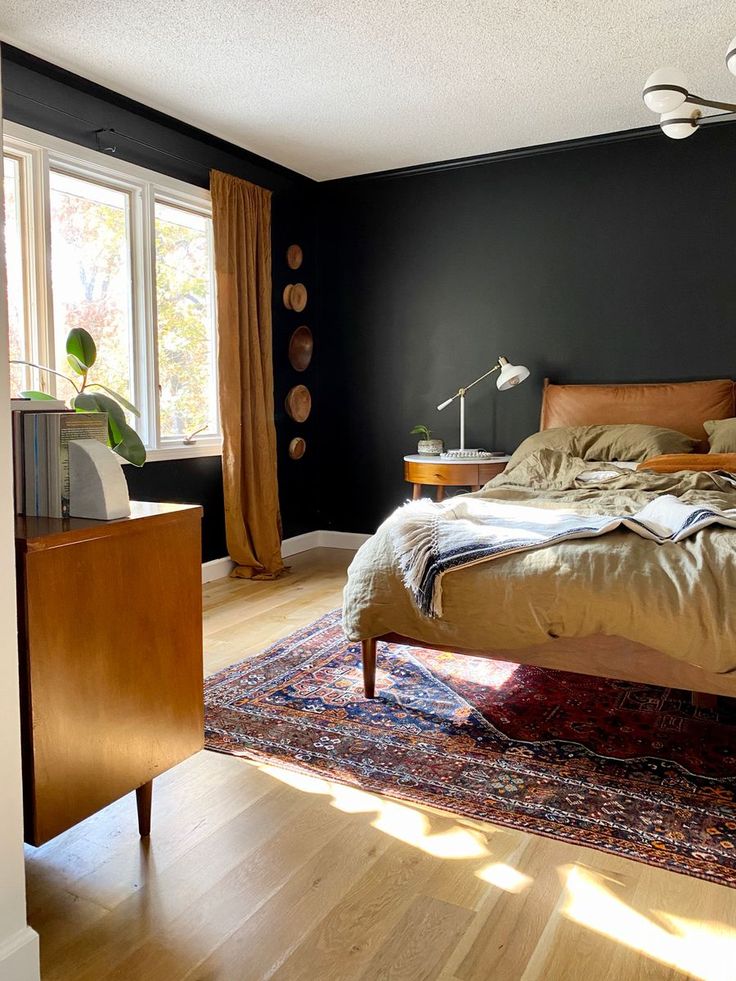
181 452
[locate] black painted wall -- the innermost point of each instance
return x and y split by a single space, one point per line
612 262
49 99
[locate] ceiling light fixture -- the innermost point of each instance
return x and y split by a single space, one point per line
666 93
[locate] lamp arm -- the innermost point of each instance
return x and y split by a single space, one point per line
461 391
496 367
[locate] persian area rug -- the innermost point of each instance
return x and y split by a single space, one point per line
625 768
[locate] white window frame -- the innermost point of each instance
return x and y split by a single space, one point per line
40 154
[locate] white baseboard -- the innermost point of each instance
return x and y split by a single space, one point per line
19 956
322 539
219 568
342 539
300 543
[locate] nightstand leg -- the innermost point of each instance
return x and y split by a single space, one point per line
143 797
476 488
440 493
417 492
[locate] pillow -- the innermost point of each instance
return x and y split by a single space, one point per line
629 442
721 435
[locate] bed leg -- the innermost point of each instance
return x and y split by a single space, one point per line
704 700
368 648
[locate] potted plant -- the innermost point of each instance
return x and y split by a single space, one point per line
81 355
427 446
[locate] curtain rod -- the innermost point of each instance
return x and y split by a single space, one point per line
104 144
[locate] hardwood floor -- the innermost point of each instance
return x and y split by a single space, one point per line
253 872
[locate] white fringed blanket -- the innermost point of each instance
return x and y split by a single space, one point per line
431 539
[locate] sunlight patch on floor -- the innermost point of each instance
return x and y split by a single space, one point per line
414 828
505 877
700 948
408 825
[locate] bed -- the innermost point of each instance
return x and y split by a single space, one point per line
547 607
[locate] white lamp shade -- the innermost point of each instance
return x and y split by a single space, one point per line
680 123
511 375
731 57
665 90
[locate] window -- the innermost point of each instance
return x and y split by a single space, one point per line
184 301
127 254
91 275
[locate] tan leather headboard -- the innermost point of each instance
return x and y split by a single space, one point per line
683 406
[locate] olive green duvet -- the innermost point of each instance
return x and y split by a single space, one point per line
679 598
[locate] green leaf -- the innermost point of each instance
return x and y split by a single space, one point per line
85 402
130 447
114 435
38 396
80 345
76 365
105 404
123 439
117 396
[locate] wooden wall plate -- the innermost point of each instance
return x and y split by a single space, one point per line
298 297
301 345
298 403
294 256
297 448
287 295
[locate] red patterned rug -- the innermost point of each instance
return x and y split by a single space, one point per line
630 769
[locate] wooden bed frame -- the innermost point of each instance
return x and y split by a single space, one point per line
683 406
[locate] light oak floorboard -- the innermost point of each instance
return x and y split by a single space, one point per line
254 872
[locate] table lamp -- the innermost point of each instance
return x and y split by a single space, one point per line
510 376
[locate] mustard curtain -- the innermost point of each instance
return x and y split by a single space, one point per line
241 217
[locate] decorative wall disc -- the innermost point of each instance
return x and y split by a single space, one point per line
301 345
298 297
297 448
298 403
287 295
294 256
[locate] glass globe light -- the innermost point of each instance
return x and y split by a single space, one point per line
731 57
665 90
680 123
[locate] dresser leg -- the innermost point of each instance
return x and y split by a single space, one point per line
440 496
368 648
143 797
417 492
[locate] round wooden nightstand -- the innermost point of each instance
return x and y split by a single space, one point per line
436 472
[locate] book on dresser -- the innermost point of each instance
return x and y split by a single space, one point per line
41 455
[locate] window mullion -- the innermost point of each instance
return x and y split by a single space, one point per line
138 286
149 338
43 348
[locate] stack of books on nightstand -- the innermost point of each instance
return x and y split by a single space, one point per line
42 432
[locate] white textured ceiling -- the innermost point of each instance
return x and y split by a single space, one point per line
335 88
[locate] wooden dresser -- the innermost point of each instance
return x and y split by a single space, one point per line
110 640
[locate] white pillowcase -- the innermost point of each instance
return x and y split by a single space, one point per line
603 470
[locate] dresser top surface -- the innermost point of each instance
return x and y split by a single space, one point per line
42 532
